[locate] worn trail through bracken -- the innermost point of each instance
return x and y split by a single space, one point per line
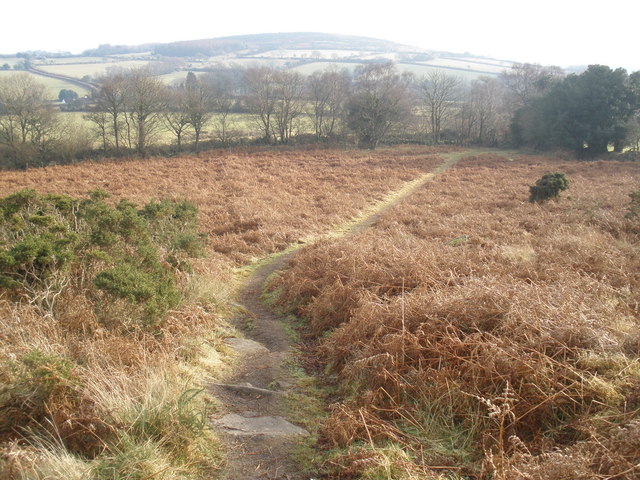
253 417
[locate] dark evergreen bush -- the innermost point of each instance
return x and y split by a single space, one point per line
549 186
633 211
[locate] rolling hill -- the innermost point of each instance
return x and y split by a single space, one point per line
303 51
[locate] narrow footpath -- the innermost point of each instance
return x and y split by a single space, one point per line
254 419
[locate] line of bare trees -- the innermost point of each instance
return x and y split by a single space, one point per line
373 102
134 109
32 131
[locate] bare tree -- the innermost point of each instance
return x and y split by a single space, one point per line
176 117
146 100
198 103
439 93
380 98
261 89
526 81
288 105
27 119
328 93
224 87
100 119
112 99
483 117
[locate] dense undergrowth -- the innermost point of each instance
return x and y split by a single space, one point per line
474 334
89 298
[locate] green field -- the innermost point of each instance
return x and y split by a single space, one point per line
418 70
11 61
53 84
243 124
68 60
174 78
79 70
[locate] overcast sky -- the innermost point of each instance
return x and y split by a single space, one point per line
550 32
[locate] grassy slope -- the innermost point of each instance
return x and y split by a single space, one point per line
53 85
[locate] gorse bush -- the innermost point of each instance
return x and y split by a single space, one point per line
85 289
549 186
115 251
35 237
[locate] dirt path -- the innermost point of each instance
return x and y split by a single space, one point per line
255 408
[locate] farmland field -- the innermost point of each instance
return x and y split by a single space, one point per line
418 69
11 61
53 85
79 70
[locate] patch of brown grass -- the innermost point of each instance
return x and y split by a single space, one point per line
250 203
468 299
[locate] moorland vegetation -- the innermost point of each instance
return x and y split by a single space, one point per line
475 334
111 318
484 327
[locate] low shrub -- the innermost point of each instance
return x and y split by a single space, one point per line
549 186
38 382
52 242
633 211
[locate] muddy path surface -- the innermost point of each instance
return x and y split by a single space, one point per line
253 420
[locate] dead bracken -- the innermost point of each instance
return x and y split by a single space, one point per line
506 356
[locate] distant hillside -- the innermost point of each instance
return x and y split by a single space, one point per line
310 51
108 49
305 52
272 41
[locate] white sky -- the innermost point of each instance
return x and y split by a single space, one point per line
558 32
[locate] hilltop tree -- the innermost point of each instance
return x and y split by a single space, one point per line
379 99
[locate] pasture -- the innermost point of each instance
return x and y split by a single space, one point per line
53 85
93 69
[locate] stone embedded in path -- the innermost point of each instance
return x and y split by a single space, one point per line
243 345
239 425
247 389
